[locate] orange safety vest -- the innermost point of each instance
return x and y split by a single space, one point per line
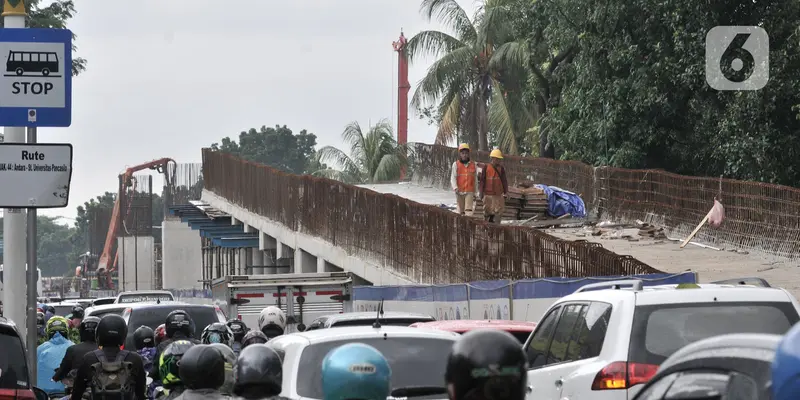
494 186
466 176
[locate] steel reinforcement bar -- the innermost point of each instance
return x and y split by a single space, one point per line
425 243
758 216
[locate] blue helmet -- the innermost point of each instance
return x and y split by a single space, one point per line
356 371
786 366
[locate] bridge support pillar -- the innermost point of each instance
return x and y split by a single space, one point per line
324 266
304 262
284 252
256 262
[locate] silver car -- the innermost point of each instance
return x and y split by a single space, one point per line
418 357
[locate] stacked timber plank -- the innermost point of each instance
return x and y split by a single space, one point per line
522 203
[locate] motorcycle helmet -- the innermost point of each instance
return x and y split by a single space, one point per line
160 334
786 366
144 336
169 363
217 333
57 324
356 371
230 361
272 321
77 312
488 362
260 367
202 367
179 321
238 327
111 331
88 328
253 337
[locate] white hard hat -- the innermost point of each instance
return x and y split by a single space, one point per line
272 315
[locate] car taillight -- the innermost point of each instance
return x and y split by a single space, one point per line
623 375
239 317
15 394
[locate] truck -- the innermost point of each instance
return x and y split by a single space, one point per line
303 297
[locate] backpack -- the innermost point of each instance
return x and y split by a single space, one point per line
112 380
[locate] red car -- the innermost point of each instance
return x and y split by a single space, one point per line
520 329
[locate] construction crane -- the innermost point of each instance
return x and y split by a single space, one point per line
117 215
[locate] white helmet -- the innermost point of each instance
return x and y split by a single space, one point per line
272 316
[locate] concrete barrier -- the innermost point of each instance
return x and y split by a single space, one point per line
525 300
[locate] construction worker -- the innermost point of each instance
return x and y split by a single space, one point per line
464 180
494 187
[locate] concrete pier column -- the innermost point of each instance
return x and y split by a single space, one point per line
257 262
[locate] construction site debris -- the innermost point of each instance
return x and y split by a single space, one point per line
522 203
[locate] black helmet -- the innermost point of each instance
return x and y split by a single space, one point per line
50 309
202 367
77 312
254 337
88 328
179 321
111 331
258 366
170 362
238 327
144 336
487 364
217 333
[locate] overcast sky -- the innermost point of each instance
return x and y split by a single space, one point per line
166 78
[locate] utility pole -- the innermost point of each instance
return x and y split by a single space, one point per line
14 243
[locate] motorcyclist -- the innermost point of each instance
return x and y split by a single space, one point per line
178 326
230 361
169 367
75 319
202 371
786 367
343 380
486 364
40 325
253 337
217 332
258 373
272 321
50 353
239 329
110 364
145 343
73 359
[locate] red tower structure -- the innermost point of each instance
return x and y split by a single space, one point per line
403 88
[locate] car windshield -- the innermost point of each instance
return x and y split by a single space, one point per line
414 362
64 310
13 367
660 330
155 316
387 321
100 313
522 336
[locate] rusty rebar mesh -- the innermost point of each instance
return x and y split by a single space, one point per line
183 184
425 243
758 216
136 206
99 219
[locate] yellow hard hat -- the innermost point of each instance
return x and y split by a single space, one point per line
496 153
463 146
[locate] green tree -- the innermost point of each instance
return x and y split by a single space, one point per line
374 156
88 234
54 14
475 90
54 246
635 95
277 147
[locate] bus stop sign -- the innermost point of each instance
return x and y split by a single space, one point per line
36 79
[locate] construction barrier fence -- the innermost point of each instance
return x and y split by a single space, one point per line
425 243
758 216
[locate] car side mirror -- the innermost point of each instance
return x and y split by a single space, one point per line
301 327
40 394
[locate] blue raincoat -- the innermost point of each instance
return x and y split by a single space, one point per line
49 355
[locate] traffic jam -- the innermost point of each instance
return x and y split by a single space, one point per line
298 337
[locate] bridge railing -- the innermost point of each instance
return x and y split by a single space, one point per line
759 216
425 243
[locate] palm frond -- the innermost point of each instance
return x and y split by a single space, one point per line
332 156
451 120
389 167
431 44
510 55
452 16
353 137
455 66
337 175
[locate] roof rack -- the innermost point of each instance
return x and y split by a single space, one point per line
754 281
636 284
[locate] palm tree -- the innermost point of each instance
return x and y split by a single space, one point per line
374 156
475 90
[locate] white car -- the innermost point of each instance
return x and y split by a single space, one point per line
604 341
418 357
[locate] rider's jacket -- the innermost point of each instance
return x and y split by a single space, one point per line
49 355
73 359
202 394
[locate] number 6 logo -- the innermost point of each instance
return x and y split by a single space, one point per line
737 58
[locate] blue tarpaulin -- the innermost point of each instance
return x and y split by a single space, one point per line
49 355
561 202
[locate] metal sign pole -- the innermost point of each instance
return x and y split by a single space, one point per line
32 246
